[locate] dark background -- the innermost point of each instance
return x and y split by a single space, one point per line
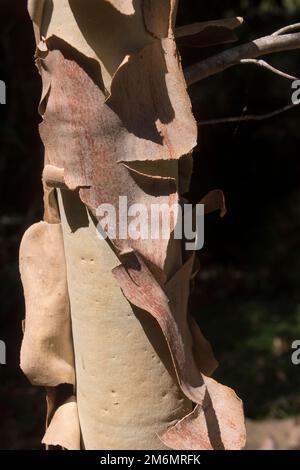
247 295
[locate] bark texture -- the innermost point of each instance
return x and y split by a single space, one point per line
117 121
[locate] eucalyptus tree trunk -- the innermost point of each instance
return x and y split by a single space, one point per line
107 330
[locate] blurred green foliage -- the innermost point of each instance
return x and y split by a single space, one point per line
252 312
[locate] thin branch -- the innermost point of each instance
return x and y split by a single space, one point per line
248 117
264 64
287 29
231 57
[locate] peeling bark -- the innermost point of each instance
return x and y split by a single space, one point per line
117 121
47 352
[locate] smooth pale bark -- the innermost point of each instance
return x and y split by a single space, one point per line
126 389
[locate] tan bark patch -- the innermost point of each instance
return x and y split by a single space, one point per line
64 429
47 352
216 425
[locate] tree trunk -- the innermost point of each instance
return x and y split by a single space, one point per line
117 122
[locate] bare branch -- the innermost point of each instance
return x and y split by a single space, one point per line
287 29
264 64
222 61
248 117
